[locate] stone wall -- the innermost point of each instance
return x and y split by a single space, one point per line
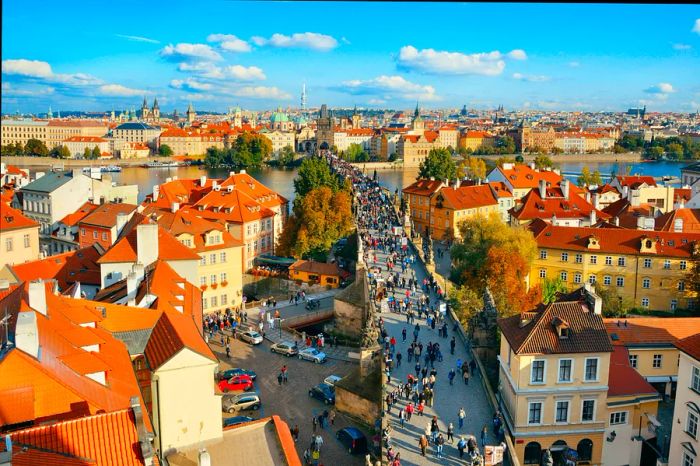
348 318
354 404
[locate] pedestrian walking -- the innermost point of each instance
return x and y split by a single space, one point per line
295 432
402 416
451 432
453 343
398 359
331 416
403 335
465 376
461 415
461 446
451 375
280 378
440 442
423 443
314 421
484 433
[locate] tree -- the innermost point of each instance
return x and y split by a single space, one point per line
557 150
63 152
320 218
542 161
505 277
87 153
473 167
96 152
466 302
674 151
505 145
355 153
439 165
585 178
314 173
214 157
36 147
614 305
165 150
12 149
693 278
655 152
286 156
551 288
392 156
501 160
519 158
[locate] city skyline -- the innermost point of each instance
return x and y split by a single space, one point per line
370 55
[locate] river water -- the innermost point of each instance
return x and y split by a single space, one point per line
280 179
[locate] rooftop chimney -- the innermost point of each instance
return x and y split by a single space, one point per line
593 217
242 172
617 221
132 284
147 243
596 201
37 296
27 333
156 192
625 192
174 207
122 219
532 165
543 189
231 173
565 188
588 196
204 458
202 180
678 225
144 436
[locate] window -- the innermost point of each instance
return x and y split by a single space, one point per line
223 276
187 242
620 281
667 264
647 263
681 286
564 276
591 374
543 273
688 460
203 261
535 412
537 372
543 254
562 414
645 302
577 278
565 257
619 417
588 410
691 425
565 370
695 379
212 258
646 283
585 450
224 299
82 232
214 301
591 279
683 265
202 281
94 234
608 260
656 364
607 280
8 244
674 304
212 279
104 236
533 453
26 241
594 259
204 303
579 258
222 257
633 360
621 261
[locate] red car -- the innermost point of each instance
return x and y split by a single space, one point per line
236 383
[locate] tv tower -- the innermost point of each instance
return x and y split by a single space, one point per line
303 97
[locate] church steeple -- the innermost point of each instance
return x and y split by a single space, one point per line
416 114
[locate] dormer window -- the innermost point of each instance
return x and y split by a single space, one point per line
563 332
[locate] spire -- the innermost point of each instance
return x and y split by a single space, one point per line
155 102
417 112
354 112
145 103
303 96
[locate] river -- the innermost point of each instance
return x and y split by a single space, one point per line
280 179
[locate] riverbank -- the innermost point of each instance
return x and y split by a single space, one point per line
49 162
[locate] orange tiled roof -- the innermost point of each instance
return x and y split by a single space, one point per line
532 206
690 218
321 268
423 187
633 181
651 331
623 380
94 139
15 170
105 215
75 217
690 345
125 249
612 240
476 134
67 268
500 189
13 219
682 194
468 197
522 176
172 333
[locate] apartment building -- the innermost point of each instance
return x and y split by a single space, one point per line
19 237
685 447
454 204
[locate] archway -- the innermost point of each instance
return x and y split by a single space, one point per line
324 146
558 448
585 450
533 453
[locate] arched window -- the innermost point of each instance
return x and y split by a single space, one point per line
585 450
533 453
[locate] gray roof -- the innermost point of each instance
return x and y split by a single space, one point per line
135 340
136 125
356 292
49 182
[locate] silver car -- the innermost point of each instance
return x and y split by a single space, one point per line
286 347
241 402
251 336
332 379
313 355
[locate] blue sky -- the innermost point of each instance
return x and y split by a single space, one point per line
102 55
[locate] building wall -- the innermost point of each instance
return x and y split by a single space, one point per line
347 402
217 296
444 223
626 449
663 283
322 279
186 410
21 131
420 212
645 361
57 132
91 234
412 153
348 318
19 245
77 148
684 395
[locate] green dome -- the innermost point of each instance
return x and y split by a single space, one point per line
279 117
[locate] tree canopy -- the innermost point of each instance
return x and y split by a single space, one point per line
355 153
588 179
439 165
314 173
473 167
286 156
542 161
36 147
165 150
248 150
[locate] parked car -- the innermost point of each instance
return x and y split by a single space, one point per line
323 392
241 402
331 380
228 373
353 439
287 348
236 383
313 355
312 303
235 420
251 336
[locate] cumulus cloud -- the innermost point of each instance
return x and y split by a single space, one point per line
41 70
118 90
376 101
682 47
190 84
533 78
574 64
661 89
242 73
305 40
10 90
517 54
189 52
261 92
696 26
388 87
138 39
452 63
203 68
229 42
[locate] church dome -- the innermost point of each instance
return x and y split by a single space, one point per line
279 117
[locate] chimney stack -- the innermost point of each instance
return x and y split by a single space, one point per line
132 284
543 189
617 221
596 201
174 207
147 243
532 165
156 192
625 192
593 217
202 180
37 296
565 188
122 219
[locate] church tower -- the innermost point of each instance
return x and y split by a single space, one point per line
191 114
155 112
145 112
237 117
356 119
324 129
418 125
49 115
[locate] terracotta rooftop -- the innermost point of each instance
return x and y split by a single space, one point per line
467 197
634 181
423 187
532 206
690 220
67 268
125 249
521 176
105 215
321 268
172 333
623 380
75 217
690 345
13 219
651 331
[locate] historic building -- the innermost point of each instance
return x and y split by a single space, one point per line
151 115
685 447
324 129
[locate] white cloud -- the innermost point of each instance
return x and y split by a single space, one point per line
203 68
440 62
696 26
42 70
574 64
138 39
345 41
517 54
189 52
661 88
261 92
388 87
376 101
306 40
120 91
242 73
9 90
531 77
229 42
190 84
682 46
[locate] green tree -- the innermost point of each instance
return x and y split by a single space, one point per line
63 152
12 149
675 151
466 302
557 150
314 173
585 178
655 152
519 158
438 164
505 145
355 153
501 160
165 150
551 288
36 148
614 305
214 157
473 167
96 152
286 156
87 153
542 161
392 157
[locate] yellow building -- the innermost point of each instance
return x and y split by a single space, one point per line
650 269
554 369
19 237
452 205
316 273
418 196
475 139
685 444
414 148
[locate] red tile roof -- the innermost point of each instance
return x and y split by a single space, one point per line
321 268
522 176
67 268
467 197
689 217
532 206
75 217
651 331
423 187
690 345
105 215
623 380
617 240
174 332
125 249
500 189
633 181
13 219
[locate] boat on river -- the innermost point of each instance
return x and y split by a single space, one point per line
157 164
